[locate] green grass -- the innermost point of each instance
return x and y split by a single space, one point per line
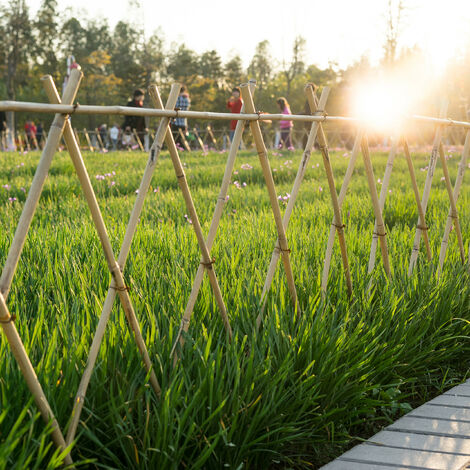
296 394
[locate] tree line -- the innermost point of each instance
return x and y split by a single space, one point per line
117 60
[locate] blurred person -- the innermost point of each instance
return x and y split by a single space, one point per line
136 122
183 103
285 126
235 104
114 135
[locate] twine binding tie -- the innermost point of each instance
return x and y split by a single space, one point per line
9 320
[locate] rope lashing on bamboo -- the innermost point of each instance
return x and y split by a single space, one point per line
120 289
208 264
9 320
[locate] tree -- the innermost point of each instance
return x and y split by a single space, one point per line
46 37
394 18
233 71
15 28
260 66
296 66
183 65
210 65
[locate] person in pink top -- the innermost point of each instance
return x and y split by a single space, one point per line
286 126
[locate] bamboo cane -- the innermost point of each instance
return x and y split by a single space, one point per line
453 206
293 197
77 138
28 146
219 207
36 186
154 153
35 142
98 138
427 186
183 139
14 255
375 202
207 262
458 184
87 137
21 356
201 144
20 143
422 220
268 177
342 195
383 196
137 139
211 135
113 266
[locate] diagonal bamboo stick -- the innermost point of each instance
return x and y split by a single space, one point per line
375 202
268 177
13 257
137 139
98 138
342 195
383 196
113 266
458 184
87 137
183 139
219 207
293 197
334 197
126 244
36 186
422 219
427 186
24 363
453 206
199 140
207 262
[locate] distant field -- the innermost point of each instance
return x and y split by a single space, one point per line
294 395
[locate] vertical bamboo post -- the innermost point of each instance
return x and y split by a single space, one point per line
268 177
154 152
414 185
219 207
427 186
137 139
293 197
453 206
98 138
383 196
342 195
207 262
199 140
183 139
87 137
375 202
313 103
457 185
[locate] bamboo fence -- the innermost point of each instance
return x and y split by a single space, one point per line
62 128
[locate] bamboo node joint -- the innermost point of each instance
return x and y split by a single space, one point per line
9 320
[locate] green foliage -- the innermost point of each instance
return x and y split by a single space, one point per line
295 394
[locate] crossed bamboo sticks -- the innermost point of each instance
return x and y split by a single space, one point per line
61 126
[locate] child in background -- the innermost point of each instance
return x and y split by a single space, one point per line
285 126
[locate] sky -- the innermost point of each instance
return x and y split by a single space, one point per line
339 31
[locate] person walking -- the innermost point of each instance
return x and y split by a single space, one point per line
285 126
136 122
183 103
114 136
235 104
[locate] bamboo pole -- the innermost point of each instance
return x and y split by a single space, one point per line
35 142
293 197
458 184
268 177
113 266
383 196
87 137
207 261
13 257
98 138
427 187
219 207
20 143
453 206
77 138
183 139
414 185
375 202
137 139
342 195
154 153
201 144
24 363
211 135
26 139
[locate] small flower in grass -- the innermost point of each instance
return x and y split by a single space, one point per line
290 148
157 189
113 173
7 187
379 181
320 189
112 183
274 169
443 178
244 184
137 191
318 165
12 199
235 172
188 219
346 154
390 191
100 177
246 166
23 189
237 184
22 164
227 197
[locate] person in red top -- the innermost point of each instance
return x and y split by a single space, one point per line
235 105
